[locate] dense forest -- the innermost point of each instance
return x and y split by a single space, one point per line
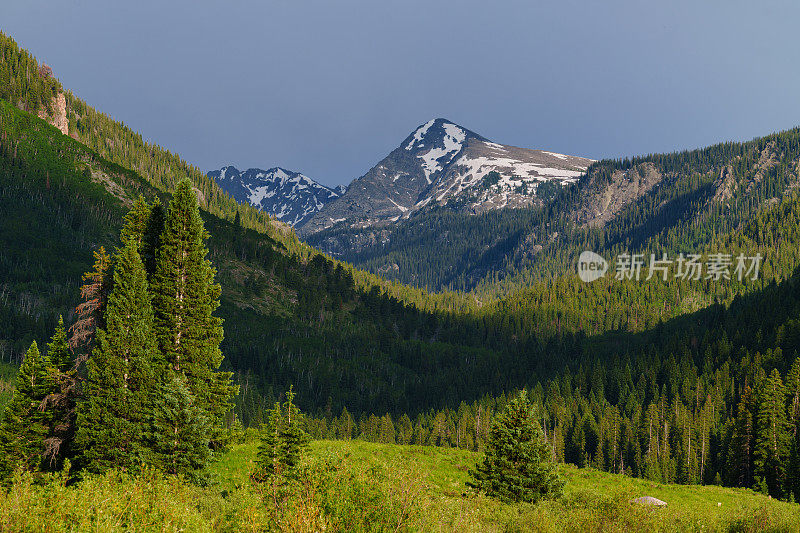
708 397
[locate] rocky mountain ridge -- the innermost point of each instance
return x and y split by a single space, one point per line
289 196
442 163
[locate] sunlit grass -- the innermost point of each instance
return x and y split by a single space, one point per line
360 486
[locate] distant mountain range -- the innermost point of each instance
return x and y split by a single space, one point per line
289 196
439 163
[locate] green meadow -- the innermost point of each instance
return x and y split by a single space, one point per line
360 486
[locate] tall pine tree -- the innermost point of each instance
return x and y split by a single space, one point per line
185 297
120 376
23 430
773 436
58 406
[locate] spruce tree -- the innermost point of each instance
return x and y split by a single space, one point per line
120 377
58 348
793 389
283 442
22 430
185 297
294 439
268 455
152 238
517 465
58 405
178 431
740 451
793 470
773 436
136 223
143 225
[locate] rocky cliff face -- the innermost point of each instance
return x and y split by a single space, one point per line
58 115
601 202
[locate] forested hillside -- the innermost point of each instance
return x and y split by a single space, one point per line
709 397
285 317
23 81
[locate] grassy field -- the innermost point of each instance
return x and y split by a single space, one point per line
359 486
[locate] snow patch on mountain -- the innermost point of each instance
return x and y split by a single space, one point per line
419 134
435 159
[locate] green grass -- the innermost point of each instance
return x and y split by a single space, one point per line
593 500
360 486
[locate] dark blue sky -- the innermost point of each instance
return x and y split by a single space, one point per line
329 87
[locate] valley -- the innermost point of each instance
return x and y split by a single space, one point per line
404 315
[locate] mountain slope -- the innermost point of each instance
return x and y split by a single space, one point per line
288 196
669 203
285 316
444 163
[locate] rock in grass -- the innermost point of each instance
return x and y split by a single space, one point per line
649 500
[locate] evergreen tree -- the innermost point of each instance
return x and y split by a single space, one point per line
283 442
793 389
517 462
268 455
136 224
345 424
120 376
772 437
152 238
740 450
185 297
143 225
178 431
293 436
793 473
22 430
90 311
58 405
58 348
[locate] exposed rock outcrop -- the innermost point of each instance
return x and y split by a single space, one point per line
604 200
58 114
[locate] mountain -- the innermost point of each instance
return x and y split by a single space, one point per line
671 203
289 196
442 163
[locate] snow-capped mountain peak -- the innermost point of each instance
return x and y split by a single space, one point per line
289 196
442 163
